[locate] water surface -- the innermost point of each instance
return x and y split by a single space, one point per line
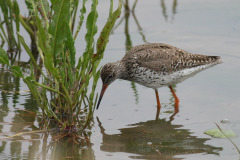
124 126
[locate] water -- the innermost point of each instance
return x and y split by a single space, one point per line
125 126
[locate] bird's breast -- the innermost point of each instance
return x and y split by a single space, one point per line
153 79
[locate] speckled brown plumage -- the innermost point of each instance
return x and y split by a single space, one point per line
155 65
165 58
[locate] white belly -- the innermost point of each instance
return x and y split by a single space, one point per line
155 80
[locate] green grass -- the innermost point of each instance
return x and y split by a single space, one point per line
67 79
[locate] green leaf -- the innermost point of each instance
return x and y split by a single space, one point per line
27 49
17 12
5 6
4 34
89 37
3 57
29 6
32 73
111 8
43 42
43 8
91 25
57 27
73 11
73 5
104 36
16 71
71 47
3 40
95 79
218 134
33 89
83 11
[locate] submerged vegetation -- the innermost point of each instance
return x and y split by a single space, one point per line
62 92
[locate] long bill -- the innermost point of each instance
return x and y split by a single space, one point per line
104 87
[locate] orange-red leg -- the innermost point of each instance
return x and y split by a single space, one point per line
158 101
158 112
176 98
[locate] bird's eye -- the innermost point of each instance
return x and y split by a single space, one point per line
110 76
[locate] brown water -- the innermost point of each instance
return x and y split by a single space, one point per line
124 126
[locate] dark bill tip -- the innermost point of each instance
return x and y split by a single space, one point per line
104 87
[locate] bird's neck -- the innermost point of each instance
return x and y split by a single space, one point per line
121 70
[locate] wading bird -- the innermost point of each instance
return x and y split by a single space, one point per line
156 65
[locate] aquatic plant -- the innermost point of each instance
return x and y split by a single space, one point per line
65 79
228 137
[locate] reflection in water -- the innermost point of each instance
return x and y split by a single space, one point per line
174 11
20 115
133 86
16 149
164 10
126 17
171 118
23 119
139 27
128 46
65 148
172 99
155 139
38 145
8 82
128 43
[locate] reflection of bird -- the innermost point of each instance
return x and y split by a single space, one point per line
156 65
166 138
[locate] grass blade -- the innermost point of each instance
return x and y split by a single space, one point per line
228 138
5 10
71 47
17 12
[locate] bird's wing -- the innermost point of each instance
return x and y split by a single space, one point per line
165 58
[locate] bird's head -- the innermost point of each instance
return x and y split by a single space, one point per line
109 73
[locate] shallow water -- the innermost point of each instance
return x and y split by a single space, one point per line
125 126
